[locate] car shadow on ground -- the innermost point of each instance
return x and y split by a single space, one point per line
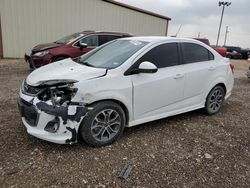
149 128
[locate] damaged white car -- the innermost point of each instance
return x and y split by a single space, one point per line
121 84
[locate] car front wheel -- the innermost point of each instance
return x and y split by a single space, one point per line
215 100
103 124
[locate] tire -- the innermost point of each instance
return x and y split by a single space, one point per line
32 67
215 100
97 128
54 59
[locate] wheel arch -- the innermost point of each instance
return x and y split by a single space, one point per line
217 84
222 85
207 107
123 106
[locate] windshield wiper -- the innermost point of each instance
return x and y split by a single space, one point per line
87 64
76 59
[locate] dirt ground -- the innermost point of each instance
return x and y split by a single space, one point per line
188 150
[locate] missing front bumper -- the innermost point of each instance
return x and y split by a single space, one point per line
55 124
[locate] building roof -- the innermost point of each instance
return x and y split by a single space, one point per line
137 9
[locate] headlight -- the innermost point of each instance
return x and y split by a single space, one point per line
30 90
41 54
58 94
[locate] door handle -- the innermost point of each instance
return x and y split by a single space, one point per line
177 76
211 68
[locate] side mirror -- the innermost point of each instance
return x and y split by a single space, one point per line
82 45
147 67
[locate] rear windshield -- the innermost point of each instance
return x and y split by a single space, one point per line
69 38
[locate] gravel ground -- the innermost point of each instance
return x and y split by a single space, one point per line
188 150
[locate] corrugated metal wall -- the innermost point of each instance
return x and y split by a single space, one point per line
26 23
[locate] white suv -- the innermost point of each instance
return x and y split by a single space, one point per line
121 84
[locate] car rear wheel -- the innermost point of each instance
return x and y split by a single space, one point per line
103 125
215 100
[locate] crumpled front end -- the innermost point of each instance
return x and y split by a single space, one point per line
48 113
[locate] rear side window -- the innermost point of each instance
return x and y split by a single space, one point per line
106 38
164 55
195 53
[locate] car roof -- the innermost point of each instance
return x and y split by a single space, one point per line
152 39
89 32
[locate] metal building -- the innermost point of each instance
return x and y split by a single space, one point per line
26 23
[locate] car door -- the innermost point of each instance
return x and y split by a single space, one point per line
92 42
199 64
160 92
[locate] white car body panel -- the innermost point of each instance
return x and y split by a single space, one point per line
150 89
146 97
69 70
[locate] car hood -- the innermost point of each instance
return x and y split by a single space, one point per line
46 46
62 71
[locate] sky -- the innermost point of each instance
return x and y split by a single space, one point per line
195 17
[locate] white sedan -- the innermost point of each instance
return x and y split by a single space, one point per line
123 83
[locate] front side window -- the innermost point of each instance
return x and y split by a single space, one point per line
193 53
91 41
164 55
112 54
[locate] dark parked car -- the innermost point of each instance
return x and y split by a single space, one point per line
233 52
233 48
245 52
70 46
234 55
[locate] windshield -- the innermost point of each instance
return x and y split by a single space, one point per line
112 54
68 38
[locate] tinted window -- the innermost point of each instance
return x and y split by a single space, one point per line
91 41
210 56
195 53
106 38
164 55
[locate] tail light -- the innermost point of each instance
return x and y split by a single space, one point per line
232 67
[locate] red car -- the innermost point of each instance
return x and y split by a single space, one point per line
73 45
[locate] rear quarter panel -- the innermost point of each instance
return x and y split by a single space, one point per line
222 74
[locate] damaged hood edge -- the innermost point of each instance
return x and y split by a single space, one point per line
63 71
